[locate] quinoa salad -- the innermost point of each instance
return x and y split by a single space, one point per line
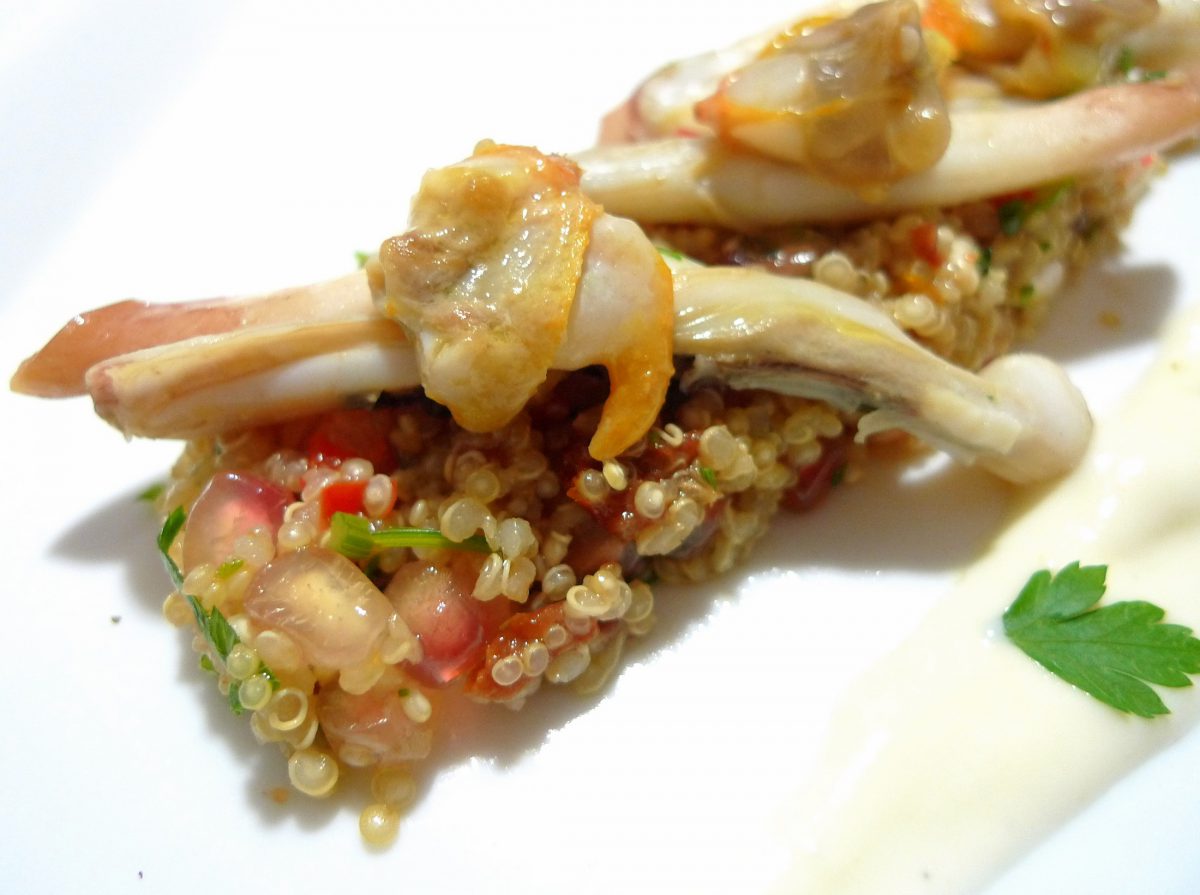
351 558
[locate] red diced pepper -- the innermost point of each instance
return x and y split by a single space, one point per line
925 243
341 497
346 434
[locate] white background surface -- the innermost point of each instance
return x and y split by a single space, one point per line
185 150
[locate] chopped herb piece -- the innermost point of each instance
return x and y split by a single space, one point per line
1128 68
166 537
671 253
352 536
228 568
403 692
115 619
1026 294
838 476
1113 652
1012 216
213 625
361 258
1125 60
153 492
220 634
215 628
709 475
235 698
1052 194
985 262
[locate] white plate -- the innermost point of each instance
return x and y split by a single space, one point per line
176 151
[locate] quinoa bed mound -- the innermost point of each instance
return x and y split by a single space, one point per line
534 562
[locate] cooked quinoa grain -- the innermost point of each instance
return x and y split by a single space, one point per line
349 670
501 562
965 281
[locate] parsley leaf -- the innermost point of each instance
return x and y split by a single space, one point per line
166 537
152 493
985 261
1112 652
230 567
1124 63
212 624
1012 216
235 698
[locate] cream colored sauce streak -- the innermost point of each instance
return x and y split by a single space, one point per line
957 753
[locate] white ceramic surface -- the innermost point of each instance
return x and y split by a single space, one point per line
180 150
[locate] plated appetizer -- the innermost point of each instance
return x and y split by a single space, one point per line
458 472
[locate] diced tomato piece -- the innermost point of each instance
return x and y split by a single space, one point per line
1027 195
232 504
341 497
521 629
814 481
345 434
924 243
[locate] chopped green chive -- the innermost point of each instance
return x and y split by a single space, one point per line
353 537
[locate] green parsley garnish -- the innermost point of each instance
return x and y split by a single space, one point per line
153 492
170 531
671 253
985 261
228 568
709 475
213 625
1113 652
1131 71
353 537
1125 60
361 258
1052 194
1012 216
215 628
